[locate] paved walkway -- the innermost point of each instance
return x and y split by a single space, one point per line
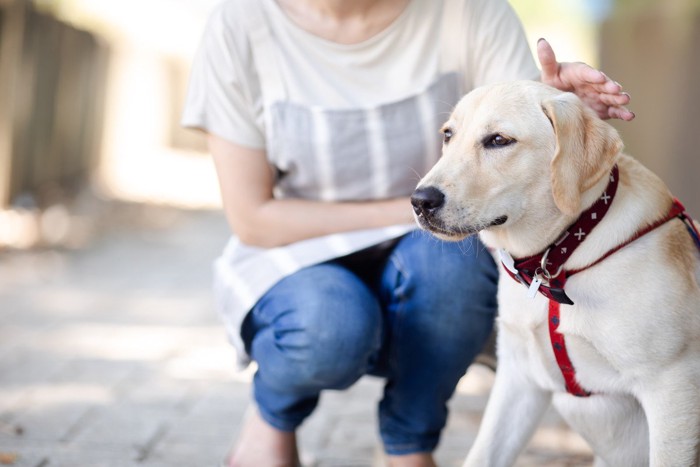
112 356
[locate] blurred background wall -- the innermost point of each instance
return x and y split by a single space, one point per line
654 47
91 93
52 101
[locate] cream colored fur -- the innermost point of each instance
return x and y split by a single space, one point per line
633 334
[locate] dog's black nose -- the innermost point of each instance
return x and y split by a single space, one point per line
427 200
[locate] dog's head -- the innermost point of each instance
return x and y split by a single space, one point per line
514 155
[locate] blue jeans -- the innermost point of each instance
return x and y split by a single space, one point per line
416 313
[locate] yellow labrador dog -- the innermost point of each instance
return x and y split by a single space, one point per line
599 296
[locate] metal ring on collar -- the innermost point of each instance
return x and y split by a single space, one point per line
543 267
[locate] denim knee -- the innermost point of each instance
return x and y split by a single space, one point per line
449 289
316 331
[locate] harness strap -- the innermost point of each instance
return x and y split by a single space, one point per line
561 355
677 211
689 224
557 339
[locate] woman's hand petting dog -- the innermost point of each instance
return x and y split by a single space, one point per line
592 86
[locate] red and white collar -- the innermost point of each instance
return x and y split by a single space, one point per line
544 272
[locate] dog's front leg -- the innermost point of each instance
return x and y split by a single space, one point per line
514 410
673 414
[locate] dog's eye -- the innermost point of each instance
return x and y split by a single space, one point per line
446 135
497 141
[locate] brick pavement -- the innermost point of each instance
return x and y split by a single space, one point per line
112 356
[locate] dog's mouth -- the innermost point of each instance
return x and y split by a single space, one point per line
457 232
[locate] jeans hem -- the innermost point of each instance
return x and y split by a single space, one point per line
400 449
278 423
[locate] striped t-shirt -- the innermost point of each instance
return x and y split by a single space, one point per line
339 122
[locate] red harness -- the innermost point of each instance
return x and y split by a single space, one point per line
545 273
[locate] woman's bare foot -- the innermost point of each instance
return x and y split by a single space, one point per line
261 444
422 459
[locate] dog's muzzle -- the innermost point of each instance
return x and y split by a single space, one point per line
427 201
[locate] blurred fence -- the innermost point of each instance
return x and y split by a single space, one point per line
52 86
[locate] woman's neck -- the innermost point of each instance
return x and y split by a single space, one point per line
343 21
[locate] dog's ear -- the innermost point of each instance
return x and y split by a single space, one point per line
586 149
